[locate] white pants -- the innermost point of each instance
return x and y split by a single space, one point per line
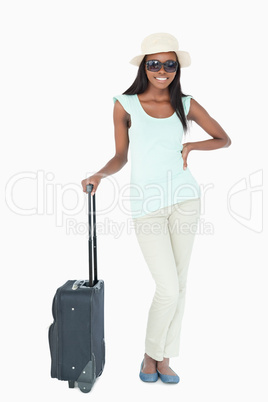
166 239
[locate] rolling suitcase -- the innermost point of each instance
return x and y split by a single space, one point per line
76 336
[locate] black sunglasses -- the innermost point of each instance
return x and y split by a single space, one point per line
170 66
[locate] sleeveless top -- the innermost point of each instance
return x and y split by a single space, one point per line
157 176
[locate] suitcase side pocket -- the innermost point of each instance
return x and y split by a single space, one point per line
53 349
53 341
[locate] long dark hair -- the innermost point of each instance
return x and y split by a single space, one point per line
141 82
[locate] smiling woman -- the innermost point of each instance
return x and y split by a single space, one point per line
171 99
159 78
151 117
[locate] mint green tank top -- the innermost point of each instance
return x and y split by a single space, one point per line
157 176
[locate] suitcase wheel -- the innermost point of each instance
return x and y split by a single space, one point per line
71 384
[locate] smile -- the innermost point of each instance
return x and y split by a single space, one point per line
161 79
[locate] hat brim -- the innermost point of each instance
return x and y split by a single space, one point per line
184 58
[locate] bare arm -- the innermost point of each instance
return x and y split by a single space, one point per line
220 139
121 124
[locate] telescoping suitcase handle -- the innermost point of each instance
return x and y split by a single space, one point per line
92 240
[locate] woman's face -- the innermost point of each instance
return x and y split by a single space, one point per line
161 79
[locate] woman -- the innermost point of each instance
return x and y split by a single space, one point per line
152 116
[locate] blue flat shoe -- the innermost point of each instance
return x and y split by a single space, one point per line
148 377
169 379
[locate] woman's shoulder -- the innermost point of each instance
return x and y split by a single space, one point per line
186 102
125 100
123 97
185 98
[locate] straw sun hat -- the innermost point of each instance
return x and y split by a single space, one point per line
161 42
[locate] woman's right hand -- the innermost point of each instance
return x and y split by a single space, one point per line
95 180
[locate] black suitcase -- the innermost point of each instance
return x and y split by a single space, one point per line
76 337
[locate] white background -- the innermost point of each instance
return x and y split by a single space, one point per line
61 64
